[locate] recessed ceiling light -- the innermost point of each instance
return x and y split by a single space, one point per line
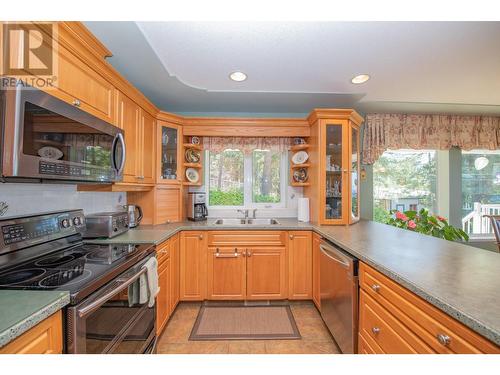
238 76
361 78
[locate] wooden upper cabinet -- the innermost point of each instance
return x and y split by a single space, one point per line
335 167
316 296
147 146
193 266
266 273
226 273
300 265
80 85
44 338
169 158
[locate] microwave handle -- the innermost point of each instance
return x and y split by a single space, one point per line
103 299
119 168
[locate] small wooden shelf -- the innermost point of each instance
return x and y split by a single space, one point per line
192 165
297 166
299 147
193 146
187 183
300 184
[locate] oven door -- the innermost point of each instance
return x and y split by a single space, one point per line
46 138
106 323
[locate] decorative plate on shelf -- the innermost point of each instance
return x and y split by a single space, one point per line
195 140
300 157
300 175
192 156
50 152
299 141
192 175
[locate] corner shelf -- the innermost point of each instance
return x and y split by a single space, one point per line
192 165
193 146
297 166
187 183
294 167
300 184
198 166
299 147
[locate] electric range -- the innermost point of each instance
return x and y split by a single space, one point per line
46 252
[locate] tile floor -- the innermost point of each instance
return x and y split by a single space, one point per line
315 337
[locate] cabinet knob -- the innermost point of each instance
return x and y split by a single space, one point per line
376 330
376 288
200 236
249 253
291 236
443 339
76 103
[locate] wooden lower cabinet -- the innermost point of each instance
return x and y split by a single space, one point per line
316 296
44 338
163 299
266 273
175 277
227 275
193 266
394 320
299 265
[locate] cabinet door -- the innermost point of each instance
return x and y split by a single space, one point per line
334 163
316 267
79 84
147 148
169 158
168 204
354 169
174 265
266 273
193 266
300 265
163 307
226 273
128 120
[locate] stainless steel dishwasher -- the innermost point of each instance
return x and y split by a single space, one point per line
339 295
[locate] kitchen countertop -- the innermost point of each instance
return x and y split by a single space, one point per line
21 310
461 280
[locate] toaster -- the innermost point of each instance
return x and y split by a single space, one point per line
106 224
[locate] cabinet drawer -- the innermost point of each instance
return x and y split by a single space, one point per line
162 252
246 238
378 324
367 346
427 322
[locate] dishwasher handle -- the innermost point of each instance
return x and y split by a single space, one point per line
336 255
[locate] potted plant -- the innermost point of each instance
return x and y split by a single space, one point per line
423 222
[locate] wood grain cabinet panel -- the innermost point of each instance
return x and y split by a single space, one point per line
44 338
266 273
163 299
316 296
193 266
246 238
300 265
437 330
227 274
148 154
174 264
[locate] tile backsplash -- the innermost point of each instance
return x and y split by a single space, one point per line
27 198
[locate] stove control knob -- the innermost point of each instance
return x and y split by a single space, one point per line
65 223
77 221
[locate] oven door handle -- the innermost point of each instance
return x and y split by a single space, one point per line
94 305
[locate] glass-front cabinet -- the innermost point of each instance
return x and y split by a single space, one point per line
334 148
169 160
339 171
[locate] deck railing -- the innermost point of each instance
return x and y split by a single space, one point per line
475 222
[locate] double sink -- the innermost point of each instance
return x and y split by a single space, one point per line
246 222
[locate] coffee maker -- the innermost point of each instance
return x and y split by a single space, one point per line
196 207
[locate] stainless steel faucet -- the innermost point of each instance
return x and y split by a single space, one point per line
244 212
254 212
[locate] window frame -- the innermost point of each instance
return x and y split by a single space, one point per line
248 183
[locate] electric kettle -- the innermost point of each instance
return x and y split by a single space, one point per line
134 218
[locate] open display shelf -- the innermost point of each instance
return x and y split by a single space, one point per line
186 164
294 167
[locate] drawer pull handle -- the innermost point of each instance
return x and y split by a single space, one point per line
291 236
219 255
200 236
375 330
443 339
76 103
376 288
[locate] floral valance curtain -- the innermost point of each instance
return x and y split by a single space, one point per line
246 144
437 132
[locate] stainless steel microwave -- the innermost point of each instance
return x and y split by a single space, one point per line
45 138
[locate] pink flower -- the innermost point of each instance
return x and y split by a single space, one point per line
440 218
401 216
411 224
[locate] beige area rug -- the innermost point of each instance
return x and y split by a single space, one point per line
244 323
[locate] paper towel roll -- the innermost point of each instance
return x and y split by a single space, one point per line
303 209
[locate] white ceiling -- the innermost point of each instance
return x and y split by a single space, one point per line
428 66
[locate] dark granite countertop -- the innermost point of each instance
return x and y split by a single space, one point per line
463 281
